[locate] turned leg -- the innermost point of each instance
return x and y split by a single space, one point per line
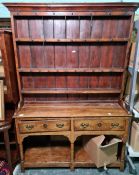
122 163
72 157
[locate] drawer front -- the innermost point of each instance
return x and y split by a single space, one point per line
80 125
46 125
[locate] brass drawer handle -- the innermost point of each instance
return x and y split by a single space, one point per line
99 124
29 127
60 125
114 125
45 125
84 125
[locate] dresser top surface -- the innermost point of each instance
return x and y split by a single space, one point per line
71 110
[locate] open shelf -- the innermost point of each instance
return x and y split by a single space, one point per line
55 40
41 70
47 151
51 155
54 157
48 154
71 91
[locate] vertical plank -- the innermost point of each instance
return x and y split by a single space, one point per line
104 81
37 53
106 57
95 56
50 83
59 28
39 81
126 25
84 56
85 27
93 81
72 62
49 60
72 56
22 28
119 52
60 56
61 83
97 25
73 31
123 27
116 81
114 27
73 28
36 28
60 62
48 27
106 31
24 56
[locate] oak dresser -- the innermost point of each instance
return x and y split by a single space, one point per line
71 63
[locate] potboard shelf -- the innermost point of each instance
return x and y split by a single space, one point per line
54 157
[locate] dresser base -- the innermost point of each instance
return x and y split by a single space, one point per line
55 138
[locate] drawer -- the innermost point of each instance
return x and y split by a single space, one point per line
96 124
45 125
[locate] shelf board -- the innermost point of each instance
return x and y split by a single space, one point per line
56 157
71 91
78 40
51 154
89 70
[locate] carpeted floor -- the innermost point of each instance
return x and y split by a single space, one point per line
78 171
